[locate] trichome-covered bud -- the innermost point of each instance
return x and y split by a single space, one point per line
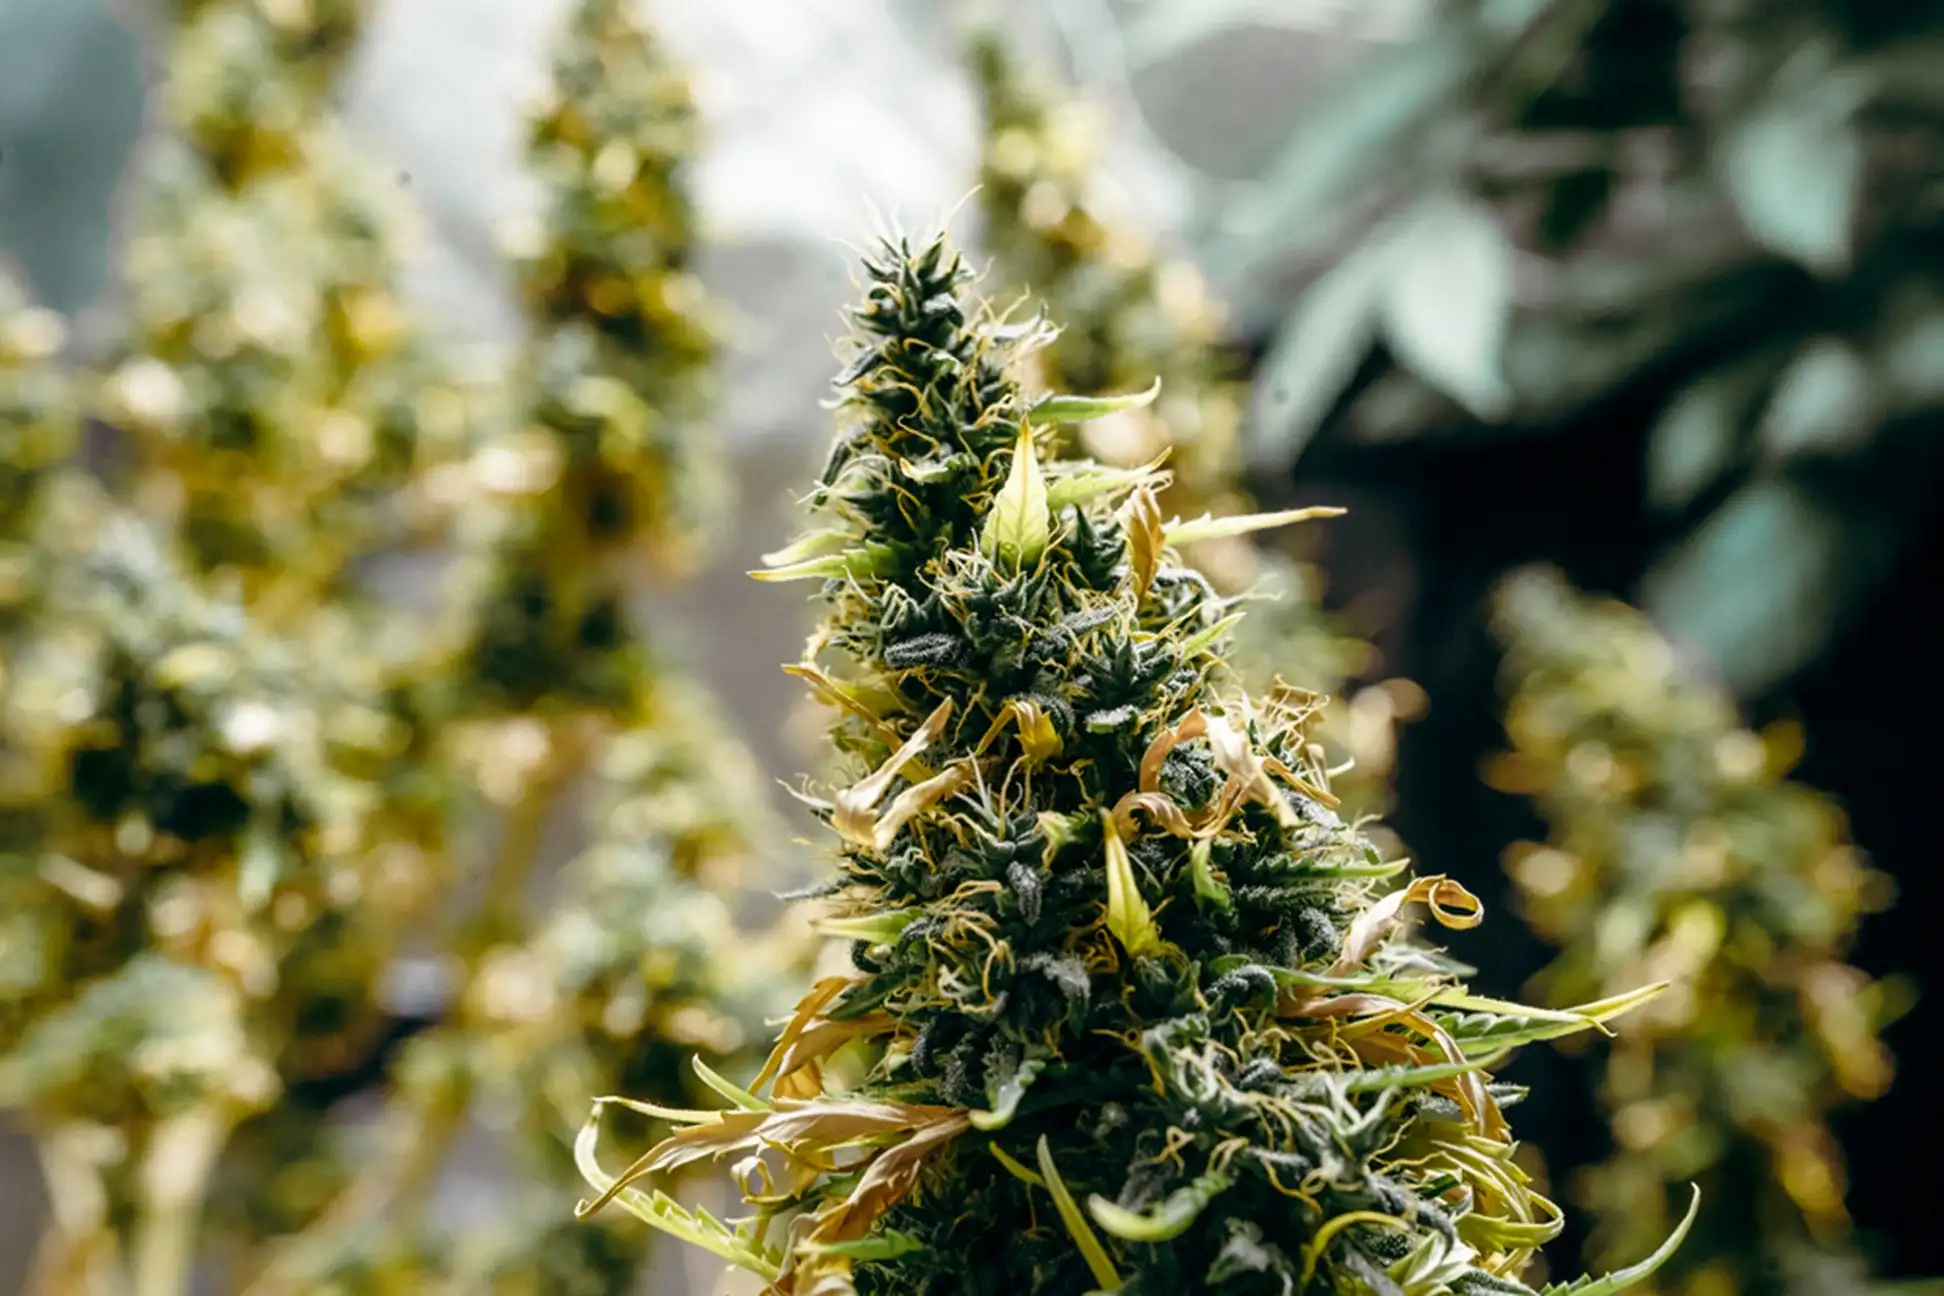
1206 1053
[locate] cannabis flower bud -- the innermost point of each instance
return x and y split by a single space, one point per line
1132 1009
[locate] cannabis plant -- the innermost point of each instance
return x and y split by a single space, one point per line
184 814
1130 314
1679 851
1111 943
1712 224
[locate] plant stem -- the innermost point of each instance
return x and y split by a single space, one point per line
175 1179
418 1127
435 1123
78 1253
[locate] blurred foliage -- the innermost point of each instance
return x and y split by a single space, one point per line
1130 314
242 797
608 281
1110 942
1520 213
195 824
277 394
39 429
1679 852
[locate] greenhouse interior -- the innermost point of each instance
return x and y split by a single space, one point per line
970 647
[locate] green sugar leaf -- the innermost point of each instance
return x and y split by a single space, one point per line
1098 1261
1084 409
1017 528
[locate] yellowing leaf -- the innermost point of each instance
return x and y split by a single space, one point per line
1128 917
1159 807
917 799
660 1211
808 1011
891 1175
1248 773
876 928
1141 521
1039 741
1449 902
1017 528
855 816
1037 736
868 702
1206 527
1015 1168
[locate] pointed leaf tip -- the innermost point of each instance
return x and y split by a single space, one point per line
1633 1275
1020 522
1128 916
1207 527
1092 481
865 560
1062 408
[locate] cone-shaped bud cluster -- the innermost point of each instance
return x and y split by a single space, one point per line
1130 1007
609 466
1679 851
546 697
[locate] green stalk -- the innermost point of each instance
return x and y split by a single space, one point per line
77 1255
418 1125
175 1181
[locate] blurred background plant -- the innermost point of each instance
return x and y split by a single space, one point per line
249 797
1679 852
